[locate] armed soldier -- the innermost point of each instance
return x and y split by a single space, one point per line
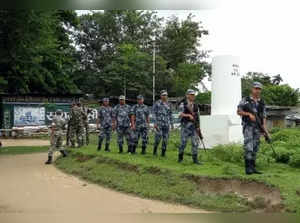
140 122
252 109
190 126
163 119
86 124
57 127
68 140
104 124
76 120
121 120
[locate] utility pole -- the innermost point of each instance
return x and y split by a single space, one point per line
154 51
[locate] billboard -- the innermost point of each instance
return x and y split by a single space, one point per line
29 115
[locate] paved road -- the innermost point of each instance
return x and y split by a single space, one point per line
33 192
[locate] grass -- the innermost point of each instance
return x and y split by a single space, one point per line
14 150
164 179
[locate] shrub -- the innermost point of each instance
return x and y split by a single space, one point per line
232 153
283 154
295 160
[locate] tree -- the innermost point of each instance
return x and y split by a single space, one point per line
280 95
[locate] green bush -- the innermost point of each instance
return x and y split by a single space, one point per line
232 153
283 154
295 160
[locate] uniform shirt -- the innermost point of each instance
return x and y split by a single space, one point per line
58 124
192 108
105 115
121 115
162 113
141 113
77 116
244 102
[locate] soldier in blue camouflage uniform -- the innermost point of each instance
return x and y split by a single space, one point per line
248 107
121 119
140 122
190 125
104 124
162 118
57 127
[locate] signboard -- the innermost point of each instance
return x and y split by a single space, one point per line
24 115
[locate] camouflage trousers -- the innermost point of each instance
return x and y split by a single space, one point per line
56 144
86 137
162 133
189 131
105 133
78 132
127 133
141 132
251 141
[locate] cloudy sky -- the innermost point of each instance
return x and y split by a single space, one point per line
265 34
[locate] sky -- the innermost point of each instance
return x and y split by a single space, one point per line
265 34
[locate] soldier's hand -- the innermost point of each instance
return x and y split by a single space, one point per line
133 127
155 126
252 117
191 117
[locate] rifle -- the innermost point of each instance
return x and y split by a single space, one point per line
198 130
263 130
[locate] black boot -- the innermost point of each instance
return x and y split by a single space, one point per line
129 149
180 157
143 150
99 146
248 167
64 153
133 149
253 166
155 150
107 147
49 161
163 152
195 160
120 149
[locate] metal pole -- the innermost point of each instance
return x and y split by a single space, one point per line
154 74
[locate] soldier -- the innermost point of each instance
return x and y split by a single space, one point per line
140 122
190 126
69 127
86 124
249 109
162 117
77 115
121 121
57 127
104 124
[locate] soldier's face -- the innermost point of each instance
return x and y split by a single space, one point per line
105 103
140 101
191 97
164 97
122 102
256 92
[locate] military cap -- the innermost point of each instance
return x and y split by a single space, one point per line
163 93
105 99
257 85
140 97
190 91
122 97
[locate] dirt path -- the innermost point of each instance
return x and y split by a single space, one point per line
33 192
24 142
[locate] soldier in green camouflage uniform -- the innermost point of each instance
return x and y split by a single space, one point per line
76 119
252 133
140 122
104 124
57 127
121 119
69 126
85 120
163 119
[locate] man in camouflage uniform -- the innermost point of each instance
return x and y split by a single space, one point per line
104 124
248 108
69 127
121 120
77 127
190 126
86 124
140 122
57 127
162 117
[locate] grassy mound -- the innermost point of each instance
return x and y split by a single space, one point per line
219 184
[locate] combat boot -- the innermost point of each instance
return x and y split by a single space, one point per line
107 148
133 149
155 150
248 168
253 166
64 153
120 149
99 147
180 157
163 152
143 150
129 148
49 161
195 160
